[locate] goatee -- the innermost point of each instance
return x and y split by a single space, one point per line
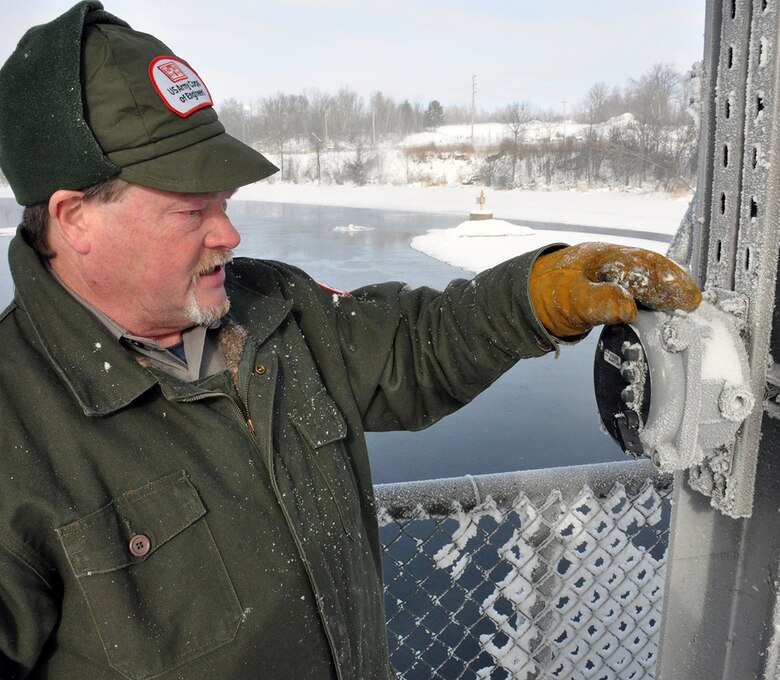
197 314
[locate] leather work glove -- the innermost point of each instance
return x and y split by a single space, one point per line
578 287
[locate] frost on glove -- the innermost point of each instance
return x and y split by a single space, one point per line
578 287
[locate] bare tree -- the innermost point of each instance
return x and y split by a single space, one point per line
410 117
320 111
348 110
516 117
231 115
595 106
297 106
655 96
276 118
383 111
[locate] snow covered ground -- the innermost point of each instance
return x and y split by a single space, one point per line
487 134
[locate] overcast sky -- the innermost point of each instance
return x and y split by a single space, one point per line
545 51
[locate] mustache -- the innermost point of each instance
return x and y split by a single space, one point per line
212 259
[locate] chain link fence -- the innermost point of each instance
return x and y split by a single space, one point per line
550 574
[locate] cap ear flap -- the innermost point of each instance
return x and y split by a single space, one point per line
43 75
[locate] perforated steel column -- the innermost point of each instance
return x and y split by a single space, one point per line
722 582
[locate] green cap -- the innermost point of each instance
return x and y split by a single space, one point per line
85 98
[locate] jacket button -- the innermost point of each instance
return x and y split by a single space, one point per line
140 545
260 369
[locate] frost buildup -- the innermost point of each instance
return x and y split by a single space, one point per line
562 589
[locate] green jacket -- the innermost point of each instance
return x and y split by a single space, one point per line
225 528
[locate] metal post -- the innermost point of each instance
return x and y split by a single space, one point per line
721 592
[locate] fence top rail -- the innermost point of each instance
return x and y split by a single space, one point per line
436 496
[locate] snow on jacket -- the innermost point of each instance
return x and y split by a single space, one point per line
224 528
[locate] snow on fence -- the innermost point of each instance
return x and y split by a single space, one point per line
547 574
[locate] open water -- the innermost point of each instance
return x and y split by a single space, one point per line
542 413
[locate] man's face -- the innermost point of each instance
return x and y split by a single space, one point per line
155 259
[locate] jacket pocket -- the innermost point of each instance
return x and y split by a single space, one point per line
322 426
153 578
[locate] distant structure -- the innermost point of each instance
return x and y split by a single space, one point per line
481 214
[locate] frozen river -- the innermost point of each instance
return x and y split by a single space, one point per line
542 413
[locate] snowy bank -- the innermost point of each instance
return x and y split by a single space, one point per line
656 212
477 245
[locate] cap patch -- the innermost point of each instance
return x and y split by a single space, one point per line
180 88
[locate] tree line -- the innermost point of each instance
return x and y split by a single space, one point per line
656 142
653 137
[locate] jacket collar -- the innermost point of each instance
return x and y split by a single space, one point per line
260 314
102 376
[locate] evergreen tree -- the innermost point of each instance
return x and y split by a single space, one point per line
434 115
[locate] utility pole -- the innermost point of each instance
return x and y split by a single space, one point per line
564 102
473 102
317 147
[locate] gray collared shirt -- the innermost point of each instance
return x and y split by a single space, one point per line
202 354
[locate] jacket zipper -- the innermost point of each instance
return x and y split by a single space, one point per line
241 408
245 402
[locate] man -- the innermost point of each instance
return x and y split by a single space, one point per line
184 485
